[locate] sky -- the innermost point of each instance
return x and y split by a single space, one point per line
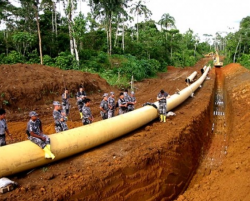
203 17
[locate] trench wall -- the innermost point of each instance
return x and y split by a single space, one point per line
158 171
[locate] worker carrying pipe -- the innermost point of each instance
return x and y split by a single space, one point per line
162 98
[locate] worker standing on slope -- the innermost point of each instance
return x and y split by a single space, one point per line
80 96
162 98
59 117
131 102
3 127
35 135
111 105
122 104
65 102
86 112
104 106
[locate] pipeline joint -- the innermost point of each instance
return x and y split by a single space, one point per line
151 104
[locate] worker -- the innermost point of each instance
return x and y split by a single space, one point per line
111 105
80 96
122 104
35 135
132 101
86 112
104 106
65 102
162 98
3 127
126 96
59 118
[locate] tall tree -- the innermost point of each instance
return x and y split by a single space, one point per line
35 6
69 8
140 9
106 9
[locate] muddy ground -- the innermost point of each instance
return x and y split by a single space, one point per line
196 155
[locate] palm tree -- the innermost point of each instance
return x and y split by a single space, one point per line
139 9
107 9
166 22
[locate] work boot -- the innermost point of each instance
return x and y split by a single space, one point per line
164 118
161 117
51 154
80 115
48 153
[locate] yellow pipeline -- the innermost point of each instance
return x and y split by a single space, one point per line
26 155
190 78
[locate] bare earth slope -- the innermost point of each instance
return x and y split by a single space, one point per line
156 162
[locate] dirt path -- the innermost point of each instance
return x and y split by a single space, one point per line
155 162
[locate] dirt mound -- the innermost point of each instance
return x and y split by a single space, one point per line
155 162
28 87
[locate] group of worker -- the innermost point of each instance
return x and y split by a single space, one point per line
108 106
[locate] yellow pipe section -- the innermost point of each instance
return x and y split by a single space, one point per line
190 78
203 69
26 155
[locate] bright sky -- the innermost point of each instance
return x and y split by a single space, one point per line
203 17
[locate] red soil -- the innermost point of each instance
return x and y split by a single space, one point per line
156 162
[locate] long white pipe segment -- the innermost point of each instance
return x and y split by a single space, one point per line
190 78
203 69
26 155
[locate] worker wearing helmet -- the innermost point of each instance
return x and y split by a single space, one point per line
111 105
35 135
59 118
104 106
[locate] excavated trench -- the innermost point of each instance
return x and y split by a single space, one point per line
156 162
215 150
167 169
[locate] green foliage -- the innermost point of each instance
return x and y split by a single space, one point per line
12 58
244 60
86 54
23 41
140 69
48 61
33 57
65 61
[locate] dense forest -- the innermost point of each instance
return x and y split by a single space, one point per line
117 38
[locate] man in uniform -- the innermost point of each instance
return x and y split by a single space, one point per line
132 101
162 98
122 104
65 102
59 117
80 95
126 96
35 135
86 112
104 106
111 104
3 127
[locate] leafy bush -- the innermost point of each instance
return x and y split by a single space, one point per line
33 57
103 57
65 61
244 60
48 61
12 58
86 54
